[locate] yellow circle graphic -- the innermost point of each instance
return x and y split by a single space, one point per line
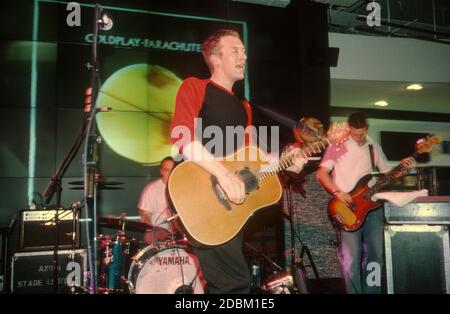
142 98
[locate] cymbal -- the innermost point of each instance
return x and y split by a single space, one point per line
100 187
100 182
121 223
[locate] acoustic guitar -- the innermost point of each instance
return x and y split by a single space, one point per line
203 207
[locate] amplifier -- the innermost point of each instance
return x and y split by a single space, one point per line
32 272
38 229
423 210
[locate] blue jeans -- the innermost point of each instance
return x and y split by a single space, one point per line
359 248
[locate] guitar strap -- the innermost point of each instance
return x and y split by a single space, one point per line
372 157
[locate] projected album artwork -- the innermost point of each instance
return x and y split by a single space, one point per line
142 61
129 92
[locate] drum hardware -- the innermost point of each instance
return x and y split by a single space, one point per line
125 224
101 183
130 286
99 180
99 188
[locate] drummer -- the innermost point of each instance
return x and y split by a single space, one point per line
153 205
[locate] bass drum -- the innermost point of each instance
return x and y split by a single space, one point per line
172 270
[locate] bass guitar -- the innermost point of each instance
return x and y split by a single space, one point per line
351 218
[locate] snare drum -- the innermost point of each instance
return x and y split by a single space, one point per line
173 270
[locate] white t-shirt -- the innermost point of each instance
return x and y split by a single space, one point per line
153 200
350 162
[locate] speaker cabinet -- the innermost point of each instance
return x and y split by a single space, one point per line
417 259
32 272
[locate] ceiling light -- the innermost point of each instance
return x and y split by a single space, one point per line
381 103
414 87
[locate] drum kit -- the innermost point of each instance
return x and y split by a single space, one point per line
163 263
165 266
130 266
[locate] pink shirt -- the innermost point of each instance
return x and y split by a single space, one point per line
350 162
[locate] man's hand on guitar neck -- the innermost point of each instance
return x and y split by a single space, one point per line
298 161
407 165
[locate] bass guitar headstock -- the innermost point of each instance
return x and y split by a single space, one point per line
425 145
338 133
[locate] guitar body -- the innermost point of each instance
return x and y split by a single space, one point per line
207 219
352 218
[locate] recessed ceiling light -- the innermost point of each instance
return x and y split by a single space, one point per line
381 103
414 87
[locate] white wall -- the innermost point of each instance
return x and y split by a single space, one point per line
437 157
390 59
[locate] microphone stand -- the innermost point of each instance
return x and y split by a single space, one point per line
90 156
87 133
55 187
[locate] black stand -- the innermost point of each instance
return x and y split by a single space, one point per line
55 186
87 133
90 156
75 216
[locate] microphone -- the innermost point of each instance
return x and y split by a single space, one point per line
105 21
168 219
103 109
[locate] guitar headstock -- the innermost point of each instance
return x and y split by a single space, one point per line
338 133
425 145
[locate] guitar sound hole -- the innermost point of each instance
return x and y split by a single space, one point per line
250 179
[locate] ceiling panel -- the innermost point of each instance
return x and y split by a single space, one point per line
434 97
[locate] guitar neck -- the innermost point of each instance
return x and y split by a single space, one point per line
381 182
287 160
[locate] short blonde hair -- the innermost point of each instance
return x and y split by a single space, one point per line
211 44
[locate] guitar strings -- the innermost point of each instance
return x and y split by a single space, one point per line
287 160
